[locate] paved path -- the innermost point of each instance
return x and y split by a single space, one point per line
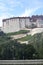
18 36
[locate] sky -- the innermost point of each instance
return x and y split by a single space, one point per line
13 8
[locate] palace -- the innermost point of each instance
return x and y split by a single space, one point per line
15 24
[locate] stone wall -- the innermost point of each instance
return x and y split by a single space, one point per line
15 24
11 25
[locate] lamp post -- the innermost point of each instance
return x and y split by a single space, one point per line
13 52
23 55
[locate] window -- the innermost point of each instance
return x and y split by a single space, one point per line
7 22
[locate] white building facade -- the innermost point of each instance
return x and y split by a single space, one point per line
39 23
20 23
15 24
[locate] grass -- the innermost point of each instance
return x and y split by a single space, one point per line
19 32
26 38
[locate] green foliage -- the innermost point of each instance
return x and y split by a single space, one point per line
11 49
26 38
29 51
19 32
38 43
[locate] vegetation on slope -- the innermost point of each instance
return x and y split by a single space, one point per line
26 38
11 49
19 32
37 42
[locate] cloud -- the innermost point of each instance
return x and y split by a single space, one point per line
29 12
6 7
2 6
23 7
31 7
14 3
4 16
1 18
9 5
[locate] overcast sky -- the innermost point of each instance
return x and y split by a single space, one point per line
11 8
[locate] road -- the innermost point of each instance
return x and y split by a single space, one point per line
21 61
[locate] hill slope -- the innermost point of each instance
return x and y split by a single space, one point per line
37 42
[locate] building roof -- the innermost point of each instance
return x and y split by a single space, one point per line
32 18
15 18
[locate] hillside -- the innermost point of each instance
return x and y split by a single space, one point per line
37 42
12 49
